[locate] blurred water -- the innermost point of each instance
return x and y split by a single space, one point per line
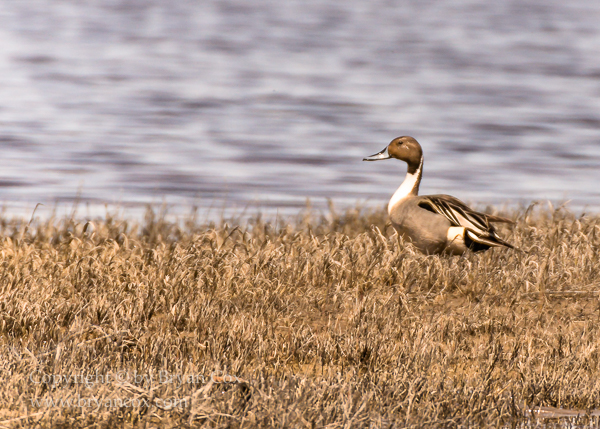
229 103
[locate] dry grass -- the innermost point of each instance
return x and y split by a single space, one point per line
326 322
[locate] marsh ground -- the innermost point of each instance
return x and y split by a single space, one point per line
324 321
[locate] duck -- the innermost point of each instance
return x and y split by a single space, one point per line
435 224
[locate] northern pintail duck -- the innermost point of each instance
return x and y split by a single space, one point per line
435 223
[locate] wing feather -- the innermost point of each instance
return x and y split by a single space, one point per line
477 225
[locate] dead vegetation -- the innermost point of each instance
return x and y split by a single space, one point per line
324 321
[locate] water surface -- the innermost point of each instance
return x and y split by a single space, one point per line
264 104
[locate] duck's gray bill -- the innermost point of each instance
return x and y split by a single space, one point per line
378 156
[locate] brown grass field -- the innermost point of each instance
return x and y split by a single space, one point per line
324 321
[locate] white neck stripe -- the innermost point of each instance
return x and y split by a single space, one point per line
410 186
